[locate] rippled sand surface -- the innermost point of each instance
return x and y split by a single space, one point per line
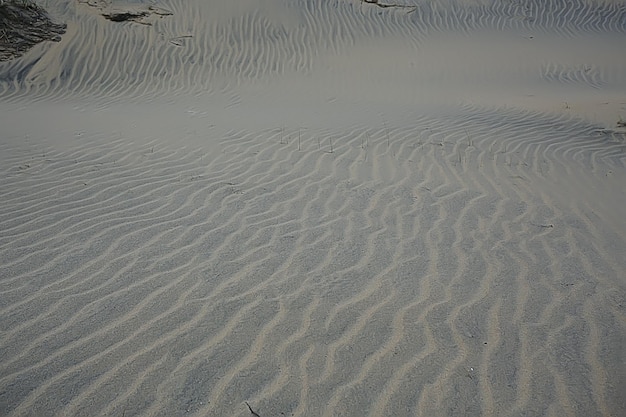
317 208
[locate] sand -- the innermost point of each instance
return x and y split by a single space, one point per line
320 208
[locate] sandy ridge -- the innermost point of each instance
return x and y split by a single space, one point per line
189 51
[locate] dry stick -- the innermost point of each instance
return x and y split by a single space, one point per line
330 139
177 40
161 12
252 411
299 139
542 225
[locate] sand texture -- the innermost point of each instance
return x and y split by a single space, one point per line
316 208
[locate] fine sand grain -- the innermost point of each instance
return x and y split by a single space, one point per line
316 208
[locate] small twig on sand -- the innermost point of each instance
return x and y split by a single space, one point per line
160 12
177 40
542 225
252 411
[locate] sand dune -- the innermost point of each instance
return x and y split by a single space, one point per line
320 208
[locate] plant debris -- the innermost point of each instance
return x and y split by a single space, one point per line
389 5
124 16
136 14
254 413
23 24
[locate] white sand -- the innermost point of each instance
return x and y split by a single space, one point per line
321 208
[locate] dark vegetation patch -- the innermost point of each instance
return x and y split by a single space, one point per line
125 16
23 24
126 13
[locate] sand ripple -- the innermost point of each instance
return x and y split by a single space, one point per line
362 247
407 271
